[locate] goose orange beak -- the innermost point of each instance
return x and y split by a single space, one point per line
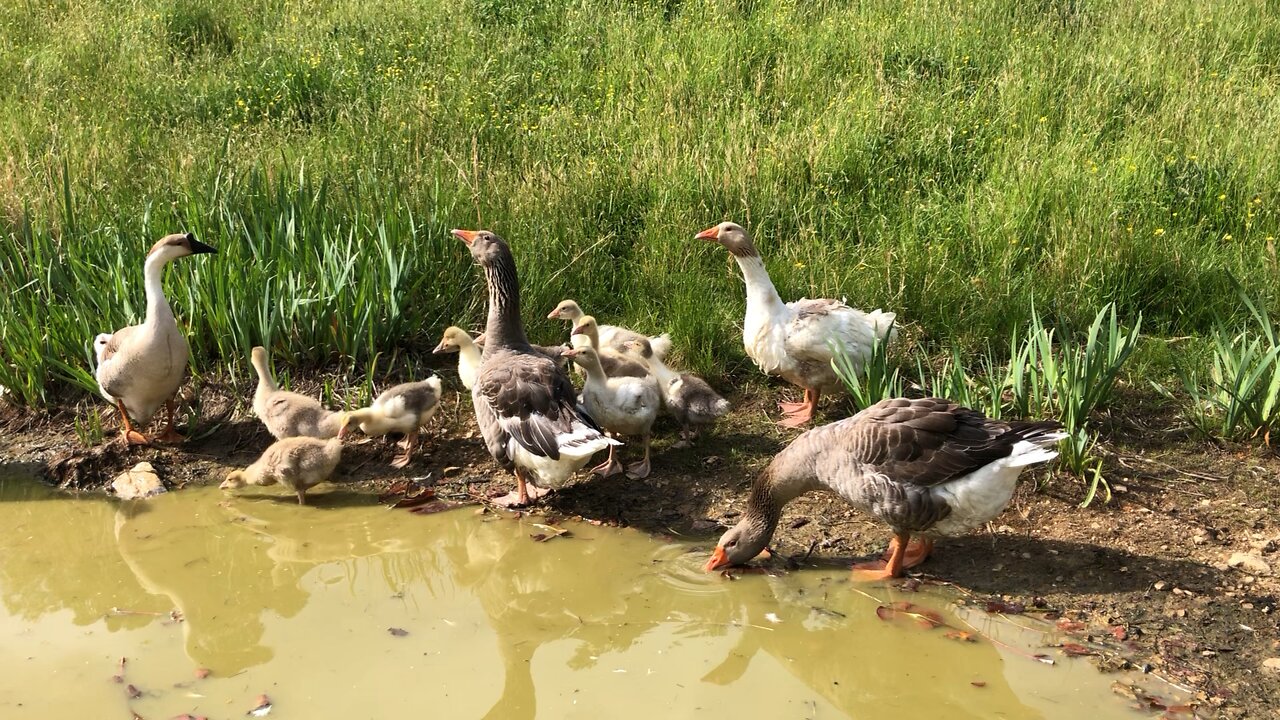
466 236
553 314
570 353
712 233
717 561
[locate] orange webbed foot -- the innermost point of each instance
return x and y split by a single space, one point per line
133 437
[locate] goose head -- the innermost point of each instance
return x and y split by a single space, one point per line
740 544
486 247
100 345
586 357
235 479
178 245
732 236
637 349
453 340
588 326
566 310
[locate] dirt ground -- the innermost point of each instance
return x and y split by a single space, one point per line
1143 580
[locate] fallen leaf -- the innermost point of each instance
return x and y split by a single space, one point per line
1005 608
202 673
924 617
1044 659
1119 632
539 537
133 692
961 635
1070 625
978 683
1076 650
421 498
188 716
262 707
397 632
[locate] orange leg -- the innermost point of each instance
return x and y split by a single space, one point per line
884 569
523 493
917 551
797 414
131 436
170 434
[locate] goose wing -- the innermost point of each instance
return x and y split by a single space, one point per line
531 400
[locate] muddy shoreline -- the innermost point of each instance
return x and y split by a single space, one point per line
1143 579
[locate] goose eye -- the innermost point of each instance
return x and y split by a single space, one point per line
731 543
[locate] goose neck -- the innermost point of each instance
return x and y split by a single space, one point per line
153 275
503 327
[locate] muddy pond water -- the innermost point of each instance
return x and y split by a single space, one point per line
345 609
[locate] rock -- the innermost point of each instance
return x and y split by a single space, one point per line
1160 585
140 481
1271 664
1251 564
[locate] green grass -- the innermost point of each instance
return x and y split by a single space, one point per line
950 161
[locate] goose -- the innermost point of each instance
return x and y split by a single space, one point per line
687 397
586 334
793 340
140 367
611 336
403 408
524 402
455 339
622 405
288 414
298 463
927 468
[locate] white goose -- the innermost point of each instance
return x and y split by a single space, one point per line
793 340
622 405
140 367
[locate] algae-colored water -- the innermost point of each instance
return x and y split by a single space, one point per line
299 603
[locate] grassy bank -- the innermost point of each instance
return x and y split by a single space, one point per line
949 161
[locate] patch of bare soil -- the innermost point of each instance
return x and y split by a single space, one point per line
1143 580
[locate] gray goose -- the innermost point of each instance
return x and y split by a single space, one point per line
403 408
688 398
524 403
140 367
288 414
927 467
298 463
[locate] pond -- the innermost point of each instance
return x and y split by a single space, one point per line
346 609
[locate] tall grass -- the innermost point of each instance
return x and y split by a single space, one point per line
944 160
1238 395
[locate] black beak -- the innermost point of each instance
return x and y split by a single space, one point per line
198 247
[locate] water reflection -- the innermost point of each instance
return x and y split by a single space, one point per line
603 623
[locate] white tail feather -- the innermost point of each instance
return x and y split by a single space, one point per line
1038 449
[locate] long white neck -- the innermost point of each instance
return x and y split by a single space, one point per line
152 273
265 381
762 297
